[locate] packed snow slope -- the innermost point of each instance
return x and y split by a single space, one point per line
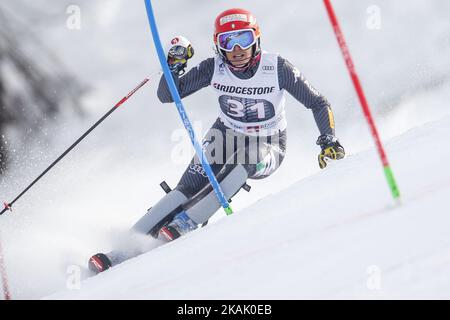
335 234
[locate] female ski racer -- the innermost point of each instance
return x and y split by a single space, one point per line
248 139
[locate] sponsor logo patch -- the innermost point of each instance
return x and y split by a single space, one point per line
243 90
233 17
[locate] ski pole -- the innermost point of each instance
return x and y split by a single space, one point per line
6 293
187 124
117 105
362 98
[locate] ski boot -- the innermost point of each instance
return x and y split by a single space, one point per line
99 262
179 226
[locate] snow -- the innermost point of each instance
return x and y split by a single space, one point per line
300 243
300 233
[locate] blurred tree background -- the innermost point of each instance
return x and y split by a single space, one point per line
35 86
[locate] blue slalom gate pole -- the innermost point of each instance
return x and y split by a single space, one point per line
187 124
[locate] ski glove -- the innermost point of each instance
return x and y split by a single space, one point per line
180 51
331 149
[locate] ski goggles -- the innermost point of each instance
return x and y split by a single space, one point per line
181 52
242 38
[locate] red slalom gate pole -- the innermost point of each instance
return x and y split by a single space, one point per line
8 205
6 293
362 98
